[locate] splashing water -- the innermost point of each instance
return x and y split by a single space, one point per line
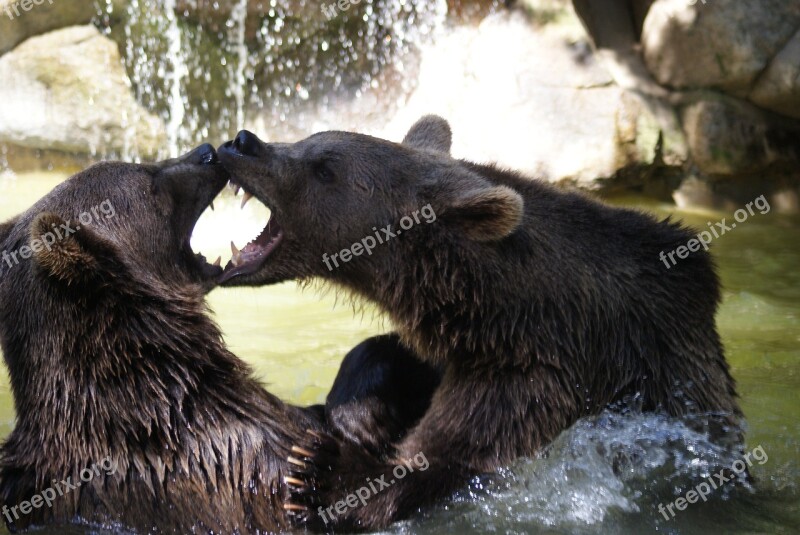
602 473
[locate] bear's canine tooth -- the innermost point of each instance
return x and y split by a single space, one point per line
237 255
246 198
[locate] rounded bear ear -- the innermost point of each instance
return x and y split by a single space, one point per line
430 133
69 252
488 214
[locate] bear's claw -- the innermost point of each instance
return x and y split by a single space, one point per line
316 453
294 481
302 451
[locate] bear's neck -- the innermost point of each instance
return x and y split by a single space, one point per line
442 303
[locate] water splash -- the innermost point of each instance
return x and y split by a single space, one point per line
604 472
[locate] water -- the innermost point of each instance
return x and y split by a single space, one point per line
606 474
223 66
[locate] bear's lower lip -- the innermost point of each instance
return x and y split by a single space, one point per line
254 254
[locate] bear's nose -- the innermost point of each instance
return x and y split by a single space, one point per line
246 143
207 154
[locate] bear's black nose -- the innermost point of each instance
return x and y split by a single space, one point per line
246 143
206 154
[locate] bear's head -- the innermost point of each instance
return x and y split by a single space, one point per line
88 276
338 195
111 221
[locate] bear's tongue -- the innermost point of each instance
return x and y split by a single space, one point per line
252 256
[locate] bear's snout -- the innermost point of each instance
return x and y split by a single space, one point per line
203 155
246 143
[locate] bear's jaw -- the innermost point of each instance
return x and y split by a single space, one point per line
252 257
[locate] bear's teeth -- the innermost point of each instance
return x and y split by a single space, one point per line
246 198
237 255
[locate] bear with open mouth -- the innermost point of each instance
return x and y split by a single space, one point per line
540 305
130 411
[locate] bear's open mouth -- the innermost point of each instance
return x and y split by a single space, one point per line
254 254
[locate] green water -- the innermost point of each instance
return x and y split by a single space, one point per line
295 338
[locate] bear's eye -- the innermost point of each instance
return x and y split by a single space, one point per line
323 172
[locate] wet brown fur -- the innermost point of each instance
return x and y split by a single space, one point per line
111 352
541 305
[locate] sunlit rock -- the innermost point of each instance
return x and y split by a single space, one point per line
18 23
67 90
778 87
722 44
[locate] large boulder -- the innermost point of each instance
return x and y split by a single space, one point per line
557 114
721 44
778 87
67 90
728 136
21 19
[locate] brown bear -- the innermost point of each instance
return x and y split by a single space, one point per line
541 305
130 410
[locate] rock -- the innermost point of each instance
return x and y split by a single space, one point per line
728 136
67 90
18 24
555 115
722 44
778 88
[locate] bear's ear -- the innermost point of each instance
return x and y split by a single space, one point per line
72 254
430 133
487 214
